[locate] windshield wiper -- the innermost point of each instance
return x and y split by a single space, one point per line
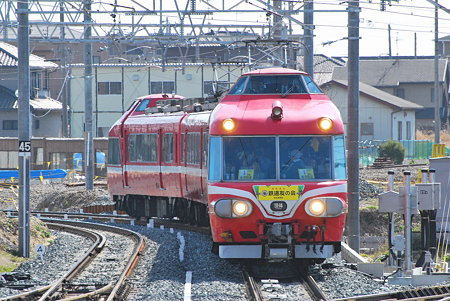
287 92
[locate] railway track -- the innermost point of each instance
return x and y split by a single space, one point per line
440 292
66 286
296 284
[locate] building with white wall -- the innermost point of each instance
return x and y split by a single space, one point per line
115 86
382 116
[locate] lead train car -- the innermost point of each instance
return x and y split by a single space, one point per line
266 167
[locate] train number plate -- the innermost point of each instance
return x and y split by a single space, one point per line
278 192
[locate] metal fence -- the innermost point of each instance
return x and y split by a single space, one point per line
414 150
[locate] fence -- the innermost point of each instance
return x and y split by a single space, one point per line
414 150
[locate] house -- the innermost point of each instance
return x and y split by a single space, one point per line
410 78
116 86
46 112
382 116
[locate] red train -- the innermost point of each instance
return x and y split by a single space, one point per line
266 168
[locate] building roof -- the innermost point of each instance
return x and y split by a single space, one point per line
392 72
8 101
381 96
7 98
9 58
323 67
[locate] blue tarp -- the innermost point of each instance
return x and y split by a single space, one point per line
35 174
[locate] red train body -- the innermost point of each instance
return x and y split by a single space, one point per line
266 167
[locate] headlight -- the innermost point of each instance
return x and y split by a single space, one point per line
325 207
228 124
240 208
325 123
229 208
316 207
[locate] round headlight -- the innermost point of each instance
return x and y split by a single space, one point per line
228 124
241 208
316 207
325 123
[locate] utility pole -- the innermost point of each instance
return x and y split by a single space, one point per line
437 115
353 125
389 42
88 132
62 49
23 44
308 29
277 31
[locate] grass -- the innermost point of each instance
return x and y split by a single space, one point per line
429 135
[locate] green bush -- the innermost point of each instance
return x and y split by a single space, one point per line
393 150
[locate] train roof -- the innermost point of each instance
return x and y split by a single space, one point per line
274 71
161 96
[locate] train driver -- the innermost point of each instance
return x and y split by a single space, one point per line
294 166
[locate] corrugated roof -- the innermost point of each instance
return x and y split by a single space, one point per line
381 96
7 98
391 72
9 58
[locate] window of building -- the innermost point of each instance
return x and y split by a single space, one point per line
193 148
109 88
9 125
367 129
143 148
408 130
36 124
400 130
399 92
162 87
168 148
432 95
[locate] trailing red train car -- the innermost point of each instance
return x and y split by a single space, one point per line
266 167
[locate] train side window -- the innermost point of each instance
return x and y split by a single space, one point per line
339 158
204 148
193 148
168 148
113 151
142 106
182 148
238 88
143 147
214 159
312 87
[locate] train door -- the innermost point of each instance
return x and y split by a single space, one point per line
204 160
160 159
169 170
193 165
124 158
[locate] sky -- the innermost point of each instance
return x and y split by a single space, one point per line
406 17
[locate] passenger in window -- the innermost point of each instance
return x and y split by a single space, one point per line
248 165
294 166
323 169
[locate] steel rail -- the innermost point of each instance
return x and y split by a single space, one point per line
95 248
252 287
313 289
113 289
424 293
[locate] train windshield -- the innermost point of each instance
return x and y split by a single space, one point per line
280 158
275 84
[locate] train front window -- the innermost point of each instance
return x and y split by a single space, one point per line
249 158
305 158
279 158
275 84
